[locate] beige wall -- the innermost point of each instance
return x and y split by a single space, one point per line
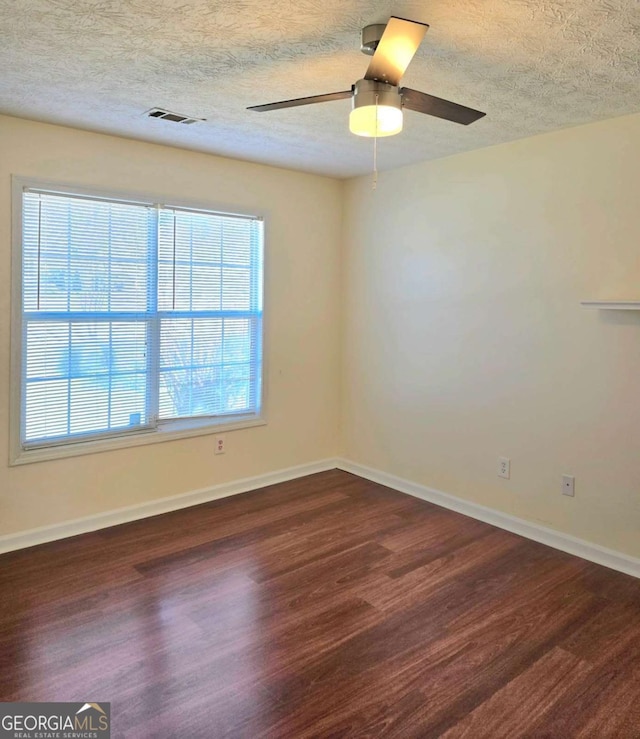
302 339
464 338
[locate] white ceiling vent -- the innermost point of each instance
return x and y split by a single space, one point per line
167 115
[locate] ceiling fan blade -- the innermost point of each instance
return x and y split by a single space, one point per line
303 101
423 103
396 49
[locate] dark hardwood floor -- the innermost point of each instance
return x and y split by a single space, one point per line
328 606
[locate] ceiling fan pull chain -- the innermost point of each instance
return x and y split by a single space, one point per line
374 184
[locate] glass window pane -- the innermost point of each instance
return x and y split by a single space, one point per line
85 255
206 366
84 377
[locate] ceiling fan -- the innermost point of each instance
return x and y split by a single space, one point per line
378 100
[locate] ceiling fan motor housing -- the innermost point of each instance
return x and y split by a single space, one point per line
372 92
371 36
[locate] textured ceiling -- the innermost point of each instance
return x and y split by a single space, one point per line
532 65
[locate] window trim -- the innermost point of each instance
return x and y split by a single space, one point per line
166 430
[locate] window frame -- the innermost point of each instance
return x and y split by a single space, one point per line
167 430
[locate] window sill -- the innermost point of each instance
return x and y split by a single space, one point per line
166 432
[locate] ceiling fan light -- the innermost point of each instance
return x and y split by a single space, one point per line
375 120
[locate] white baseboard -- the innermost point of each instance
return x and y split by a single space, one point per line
556 539
552 538
31 537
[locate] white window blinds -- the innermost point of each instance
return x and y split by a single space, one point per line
134 314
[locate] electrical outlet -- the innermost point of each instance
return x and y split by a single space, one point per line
220 445
504 467
568 485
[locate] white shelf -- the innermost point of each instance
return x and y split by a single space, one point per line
611 304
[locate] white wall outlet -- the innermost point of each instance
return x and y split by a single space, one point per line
220 445
568 485
504 467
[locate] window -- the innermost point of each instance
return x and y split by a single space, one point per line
135 316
